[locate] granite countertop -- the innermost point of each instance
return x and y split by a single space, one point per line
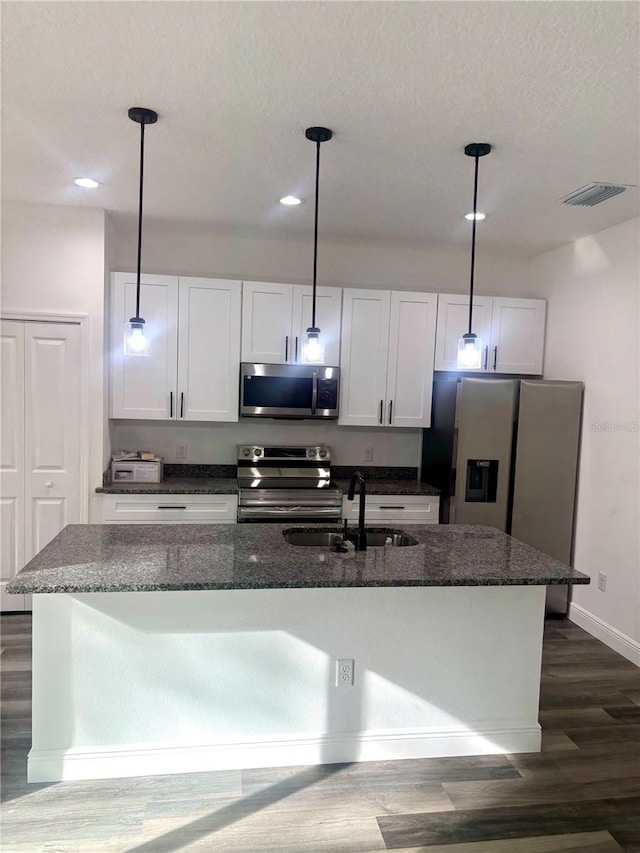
228 486
121 558
175 486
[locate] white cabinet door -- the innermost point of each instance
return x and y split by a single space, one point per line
328 317
453 322
11 460
266 323
517 335
52 431
145 386
208 349
412 333
363 356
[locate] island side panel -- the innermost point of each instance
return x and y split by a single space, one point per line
132 683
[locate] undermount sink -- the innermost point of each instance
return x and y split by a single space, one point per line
377 537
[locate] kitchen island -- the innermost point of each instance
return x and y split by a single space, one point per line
161 649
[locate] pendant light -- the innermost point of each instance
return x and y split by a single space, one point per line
136 342
470 345
313 347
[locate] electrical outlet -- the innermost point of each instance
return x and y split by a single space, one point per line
344 672
181 450
602 582
368 454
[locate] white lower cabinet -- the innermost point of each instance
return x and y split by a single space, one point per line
169 509
393 509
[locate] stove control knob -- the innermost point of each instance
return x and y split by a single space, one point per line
258 451
323 453
311 453
246 452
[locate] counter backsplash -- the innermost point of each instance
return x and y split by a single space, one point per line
174 470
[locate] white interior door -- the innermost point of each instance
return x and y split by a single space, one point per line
412 337
11 459
266 323
517 335
328 319
208 349
52 431
364 351
145 387
453 322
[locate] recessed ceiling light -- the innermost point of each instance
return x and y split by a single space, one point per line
87 183
478 216
290 200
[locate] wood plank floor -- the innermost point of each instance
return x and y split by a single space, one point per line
580 795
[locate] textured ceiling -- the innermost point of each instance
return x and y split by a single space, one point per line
552 85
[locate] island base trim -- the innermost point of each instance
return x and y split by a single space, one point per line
63 765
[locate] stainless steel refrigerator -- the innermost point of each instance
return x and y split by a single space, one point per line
504 452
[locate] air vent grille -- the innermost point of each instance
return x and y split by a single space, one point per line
593 194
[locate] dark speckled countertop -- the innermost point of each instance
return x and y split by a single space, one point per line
122 558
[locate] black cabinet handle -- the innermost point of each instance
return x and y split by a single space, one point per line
286 347
182 404
486 357
392 506
296 355
495 358
381 405
171 506
170 404
390 410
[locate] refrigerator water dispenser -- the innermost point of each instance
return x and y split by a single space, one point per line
481 481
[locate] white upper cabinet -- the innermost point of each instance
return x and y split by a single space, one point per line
275 319
328 317
266 322
453 322
517 335
191 372
412 333
363 356
144 386
208 349
387 358
511 331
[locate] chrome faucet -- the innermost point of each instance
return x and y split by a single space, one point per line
359 539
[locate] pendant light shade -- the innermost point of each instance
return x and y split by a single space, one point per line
313 346
136 340
470 345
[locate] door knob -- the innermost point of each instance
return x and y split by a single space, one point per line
48 484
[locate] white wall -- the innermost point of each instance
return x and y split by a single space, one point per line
216 443
53 260
592 334
188 249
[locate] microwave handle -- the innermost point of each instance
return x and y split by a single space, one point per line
314 392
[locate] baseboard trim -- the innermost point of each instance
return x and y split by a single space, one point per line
57 765
610 636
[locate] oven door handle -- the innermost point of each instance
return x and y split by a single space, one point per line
314 392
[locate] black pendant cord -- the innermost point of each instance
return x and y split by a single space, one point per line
140 219
315 239
473 241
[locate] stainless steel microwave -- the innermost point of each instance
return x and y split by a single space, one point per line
289 390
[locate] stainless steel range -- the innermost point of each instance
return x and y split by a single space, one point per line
280 483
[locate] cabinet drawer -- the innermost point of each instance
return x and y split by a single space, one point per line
169 509
389 509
